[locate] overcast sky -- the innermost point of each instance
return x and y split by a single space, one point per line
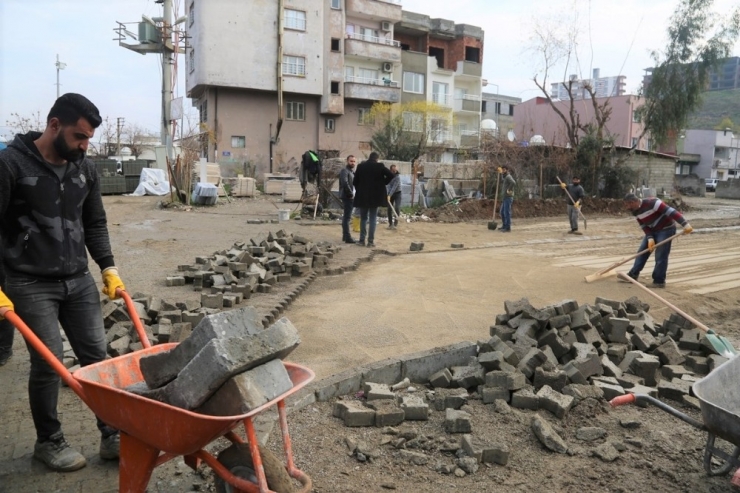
616 37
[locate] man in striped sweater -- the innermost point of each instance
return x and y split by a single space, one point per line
658 221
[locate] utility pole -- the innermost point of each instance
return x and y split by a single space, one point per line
60 66
119 126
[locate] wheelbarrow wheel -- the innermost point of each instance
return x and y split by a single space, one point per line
238 460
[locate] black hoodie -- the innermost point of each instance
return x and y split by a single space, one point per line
45 222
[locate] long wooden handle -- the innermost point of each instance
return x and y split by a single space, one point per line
495 198
631 257
571 199
667 303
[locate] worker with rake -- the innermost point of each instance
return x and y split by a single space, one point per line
658 222
574 197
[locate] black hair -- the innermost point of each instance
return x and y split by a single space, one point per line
70 107
373 156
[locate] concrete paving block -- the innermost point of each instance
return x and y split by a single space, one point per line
181 331
449 399
559 321
514 380
715 360
610 390
416 246
457 421
387 413
356 415
220 359
377 391
525 399
248 390
120 346
441 379
610 369
643 340
513 308
627 380
669 353
386 371
590 433
690 339
699 364
414 408
643 389
160 368
574 374
553 401
339 384
674 389
418 367
552 339
504 332
491 394
581 392
547 435
647 368
629 357
557 379
531 360
616 330
484 453
467 377
586 359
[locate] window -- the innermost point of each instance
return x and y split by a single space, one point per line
413 82
295 19
336 4
238 141
636 116
329 125
335 44
484 107
369 34
412 121
294 65
364 117
349 74
191 60
367 75
295 110
334 87
191 14
472 54
204 112
439 54
634 142
440 93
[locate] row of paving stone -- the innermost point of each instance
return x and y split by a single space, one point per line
551 359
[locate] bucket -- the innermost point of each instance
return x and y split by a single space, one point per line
283 214
356 224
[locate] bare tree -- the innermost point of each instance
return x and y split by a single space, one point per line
20 124
137 137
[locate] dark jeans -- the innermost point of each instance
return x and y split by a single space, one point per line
6 335
396 202
43 305
346 216
661 256
368 214
506 212
573 217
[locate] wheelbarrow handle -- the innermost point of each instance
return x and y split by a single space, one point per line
644 400
622 400
134 317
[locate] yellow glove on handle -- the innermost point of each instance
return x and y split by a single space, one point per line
499 170
578 204
5 304
389 199
687 229
651 244
563 185
111 282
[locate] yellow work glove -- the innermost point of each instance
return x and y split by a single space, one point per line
499 170
389 199
687 229
563 185
651 244
578 205
111 282
5 303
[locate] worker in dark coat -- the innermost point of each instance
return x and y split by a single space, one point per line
370 180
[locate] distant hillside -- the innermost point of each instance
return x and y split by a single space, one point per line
716 106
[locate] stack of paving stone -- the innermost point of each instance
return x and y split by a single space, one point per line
254 266
228 366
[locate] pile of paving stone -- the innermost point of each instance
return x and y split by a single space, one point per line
228 366
550 359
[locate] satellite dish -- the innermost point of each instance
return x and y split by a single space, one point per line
511 136
537 140
489 125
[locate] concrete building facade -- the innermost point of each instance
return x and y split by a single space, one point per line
537 117
336 59
500 110
603 87
719 153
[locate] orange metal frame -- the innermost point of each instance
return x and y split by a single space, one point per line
153 432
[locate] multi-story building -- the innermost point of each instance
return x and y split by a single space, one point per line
726 76
719 153
537 117
602 87
324 63
500 110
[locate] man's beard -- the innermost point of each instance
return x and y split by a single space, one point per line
64 151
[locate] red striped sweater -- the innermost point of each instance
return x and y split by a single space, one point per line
654 215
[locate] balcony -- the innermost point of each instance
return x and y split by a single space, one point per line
379 10
386 90
442 99
468 69
372 48
468 103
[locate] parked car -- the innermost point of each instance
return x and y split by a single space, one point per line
711 184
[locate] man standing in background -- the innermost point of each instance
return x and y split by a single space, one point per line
506 203
347 194
574 191
394 197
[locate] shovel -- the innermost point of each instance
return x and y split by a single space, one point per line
719 343
585 223
493 224
609 271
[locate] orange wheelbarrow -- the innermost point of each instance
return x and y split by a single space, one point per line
153 432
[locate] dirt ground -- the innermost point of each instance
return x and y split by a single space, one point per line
401 303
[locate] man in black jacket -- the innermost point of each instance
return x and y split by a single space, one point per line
51 212
370 180
347 194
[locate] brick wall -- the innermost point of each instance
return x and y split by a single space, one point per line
654 172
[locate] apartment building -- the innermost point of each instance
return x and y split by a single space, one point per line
499 109
337 58
602 87
724 77
537 117
719 153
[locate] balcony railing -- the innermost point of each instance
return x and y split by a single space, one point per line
441 99
294 69
374 39
373 82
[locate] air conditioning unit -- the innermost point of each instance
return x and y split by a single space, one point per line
385 26
387 67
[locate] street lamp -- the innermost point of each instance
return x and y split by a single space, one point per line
60 66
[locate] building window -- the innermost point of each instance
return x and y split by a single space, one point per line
368 76
412 121
636 116
413 82
511 110
336 4
294 65
472 54
295 110
334 87
204 113
335 45
484 107
364 117
238 141
370 35
634 142
191 60
440 93
295 19
329 125
191 14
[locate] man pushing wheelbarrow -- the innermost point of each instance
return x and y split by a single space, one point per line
52 211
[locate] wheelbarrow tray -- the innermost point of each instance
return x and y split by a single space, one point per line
162 426
719 398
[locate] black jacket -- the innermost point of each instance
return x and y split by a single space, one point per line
346 177
371 177
46 223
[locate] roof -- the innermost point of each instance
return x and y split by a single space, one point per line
643 151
